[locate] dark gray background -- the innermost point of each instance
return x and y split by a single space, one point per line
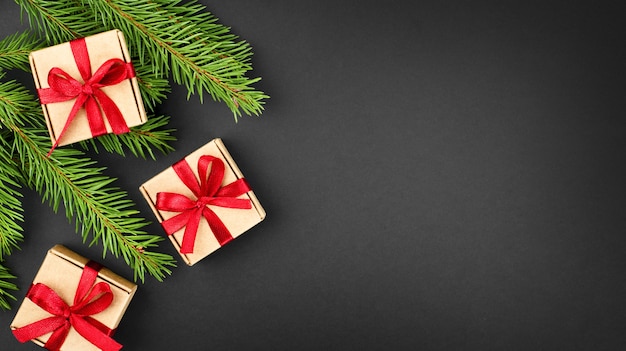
437 176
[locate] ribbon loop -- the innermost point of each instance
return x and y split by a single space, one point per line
207 191
89 299
64 87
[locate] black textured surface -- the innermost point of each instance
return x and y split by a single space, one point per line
436 177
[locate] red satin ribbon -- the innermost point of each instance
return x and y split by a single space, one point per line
208 192
64 87
89 300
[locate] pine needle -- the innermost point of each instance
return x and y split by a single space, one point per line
140 141
46 16
153 89
15 48
10 206
5 287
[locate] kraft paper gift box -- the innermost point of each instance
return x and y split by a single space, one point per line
62 271
236 220
125 94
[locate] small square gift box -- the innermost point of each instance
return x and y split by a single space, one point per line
203 201
87 88
73 304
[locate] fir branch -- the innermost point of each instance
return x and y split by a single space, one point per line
47 15
187 41
139 141
10 206
15 48
183 41
5 287
105 211
17 104
153 89
71 179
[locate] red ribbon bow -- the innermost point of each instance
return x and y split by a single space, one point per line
89 300
64 87
208 192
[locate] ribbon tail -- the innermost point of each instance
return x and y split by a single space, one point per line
77 105
100 326
218 228
54 146
94 117
112 112
58 338
191 231
37 329
94 335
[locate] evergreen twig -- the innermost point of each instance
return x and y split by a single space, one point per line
10 208
15 48
70 178
153 89
47 15
5 287
139 141
10 203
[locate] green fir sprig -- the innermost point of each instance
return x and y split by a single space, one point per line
15 48
11 214
153 89
6 287
140 141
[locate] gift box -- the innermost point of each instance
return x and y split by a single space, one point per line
73 304
87 88
203 201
